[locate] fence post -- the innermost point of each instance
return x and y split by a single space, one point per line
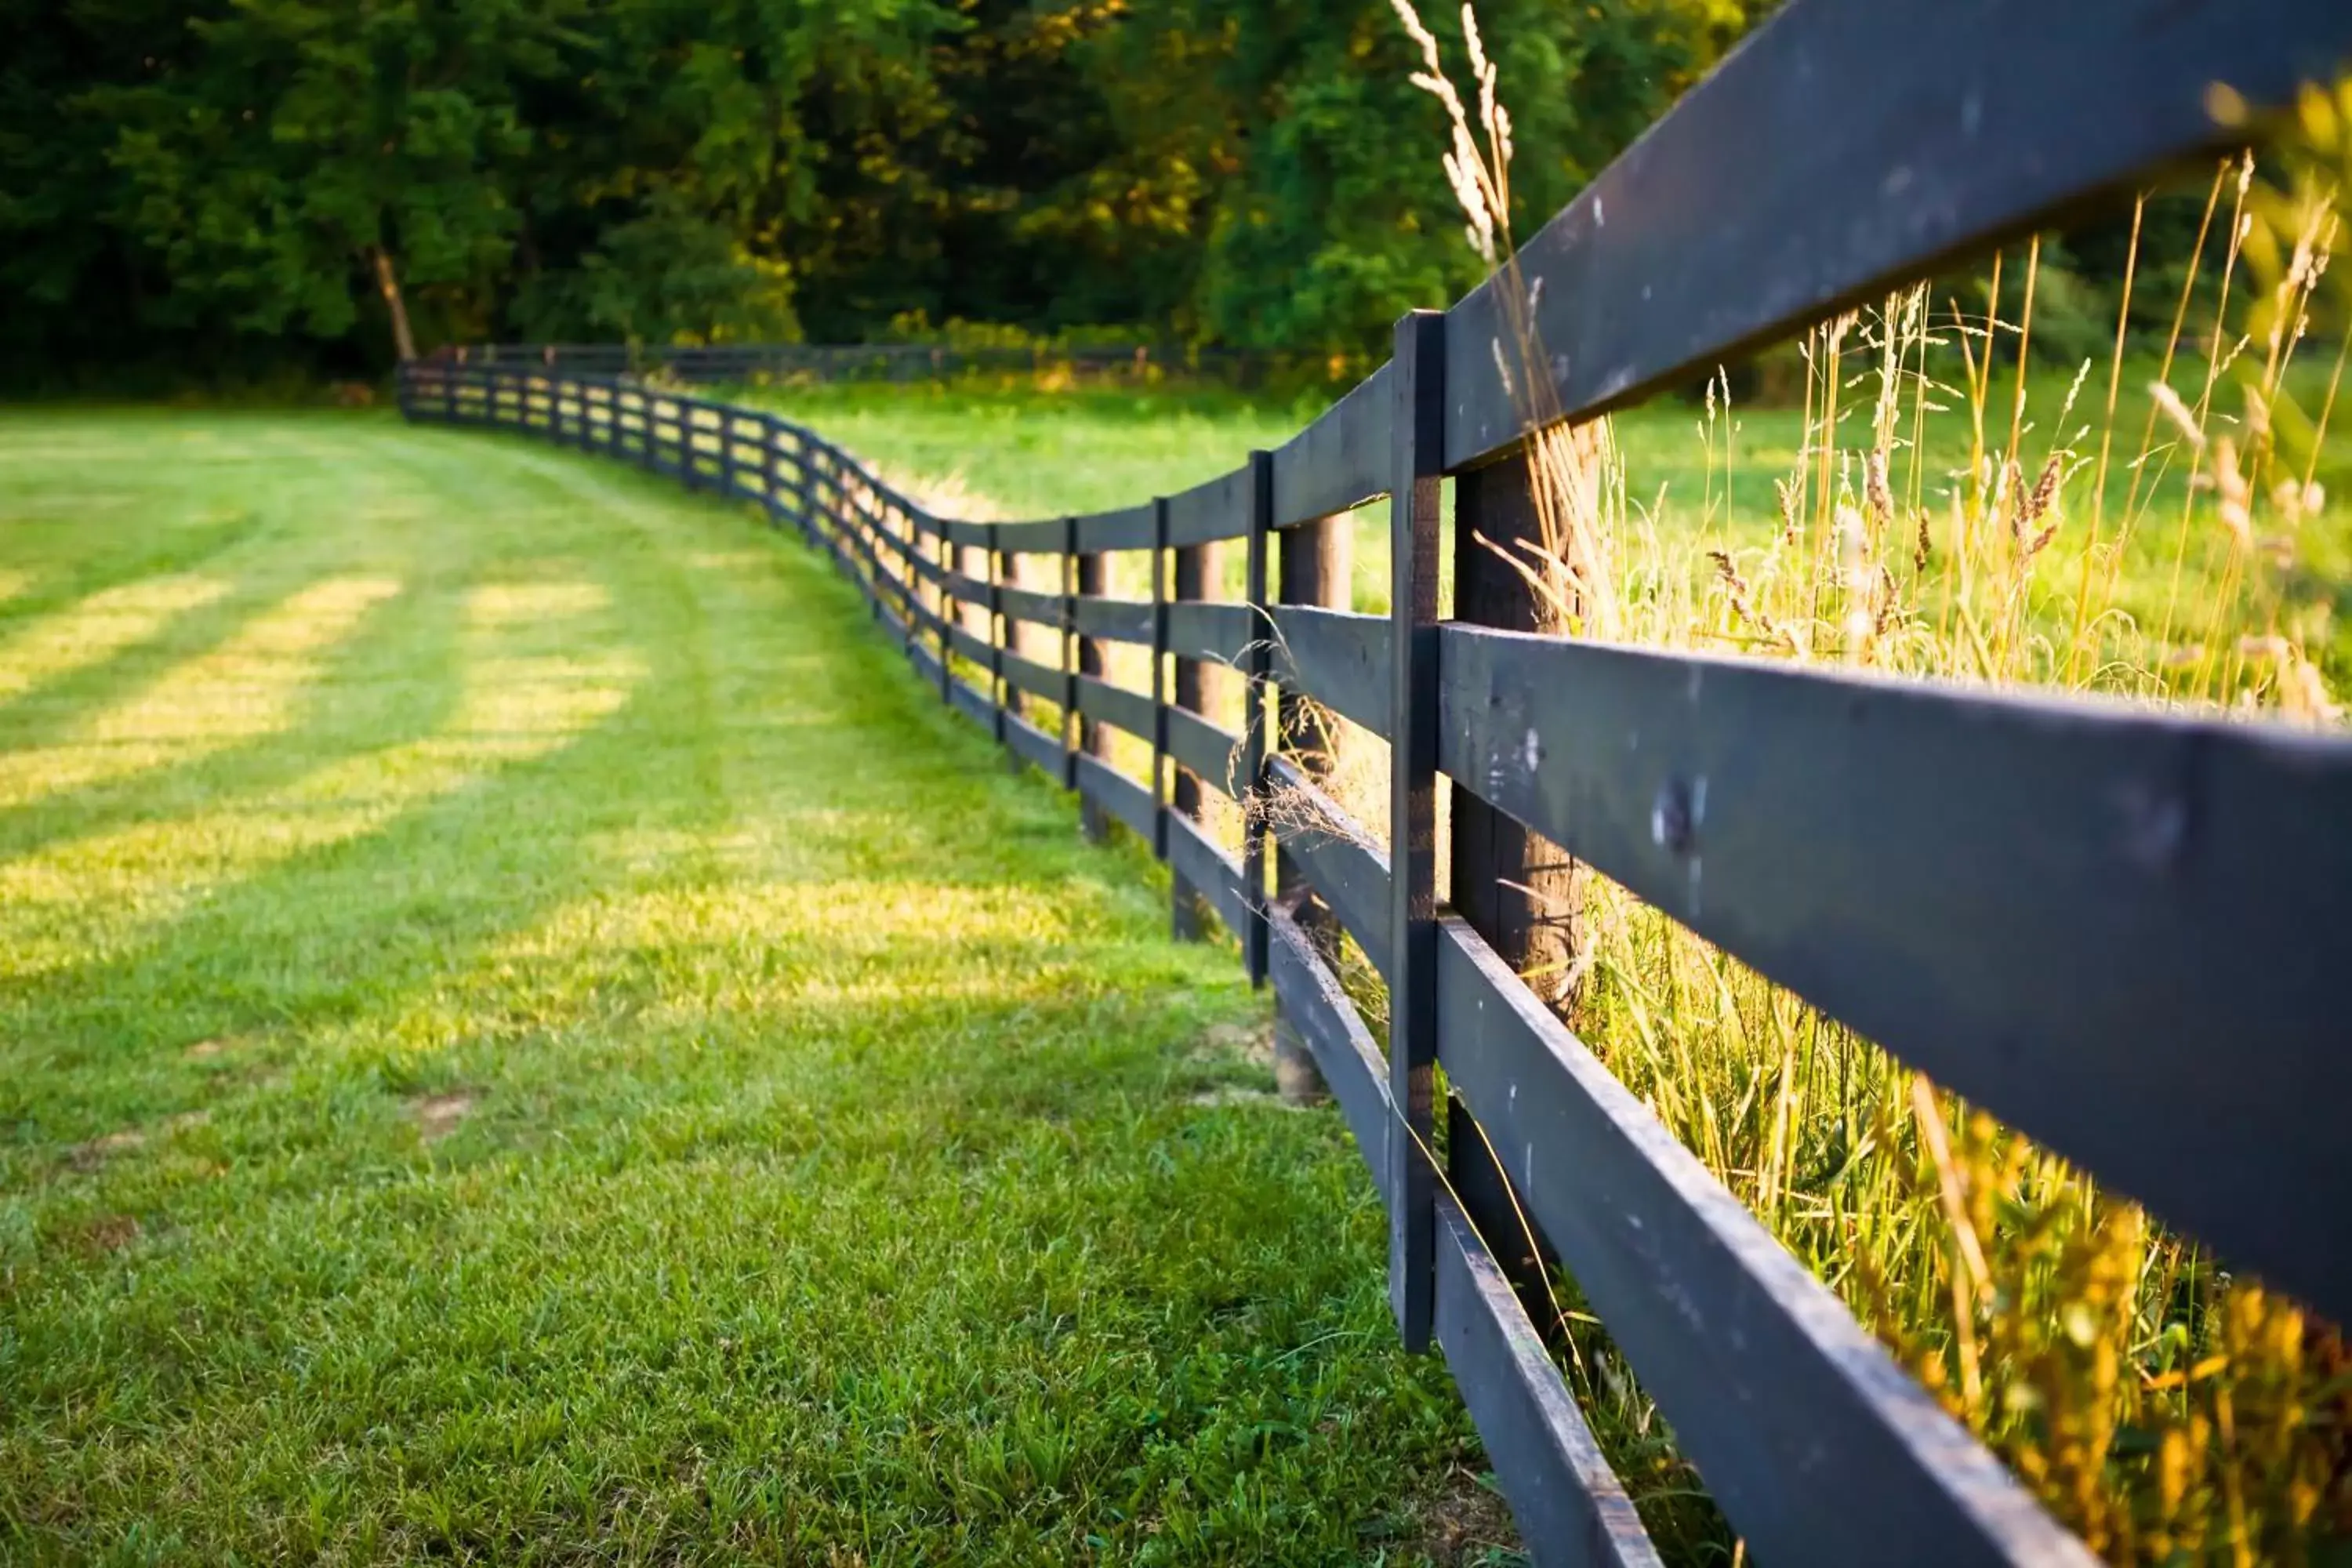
1158 677
1256 662
813 476
1417 453
803 490
1094 576
909 586
1195 569
1316 559
1514 888
992 561
949 607
772 440
830 520
1072 730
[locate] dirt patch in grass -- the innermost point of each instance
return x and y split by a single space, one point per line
205 1050
91 1156
1223 1048
1463 1523
1222 1043
102 1233
438 1115
1237 1094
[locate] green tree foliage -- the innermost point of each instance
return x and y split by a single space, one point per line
216 182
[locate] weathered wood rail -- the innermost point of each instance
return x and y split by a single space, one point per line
2122 933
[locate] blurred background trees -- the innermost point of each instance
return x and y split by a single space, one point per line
243 187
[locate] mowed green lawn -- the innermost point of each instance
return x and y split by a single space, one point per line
526 1034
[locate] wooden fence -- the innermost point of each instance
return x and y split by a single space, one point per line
2122 933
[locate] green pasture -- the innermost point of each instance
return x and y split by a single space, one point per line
527 1036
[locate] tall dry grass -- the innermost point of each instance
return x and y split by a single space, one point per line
2144 531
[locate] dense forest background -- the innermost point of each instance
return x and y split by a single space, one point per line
226 183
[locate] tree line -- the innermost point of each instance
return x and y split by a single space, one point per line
237 187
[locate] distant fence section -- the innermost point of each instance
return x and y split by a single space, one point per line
719 363
2123 933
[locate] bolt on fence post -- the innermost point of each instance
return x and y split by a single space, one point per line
1094 577
1193 573
1159 677
1256 661
1314 559
1417 434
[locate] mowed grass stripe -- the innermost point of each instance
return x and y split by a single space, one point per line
610 1068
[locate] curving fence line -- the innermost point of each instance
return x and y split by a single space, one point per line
2121 933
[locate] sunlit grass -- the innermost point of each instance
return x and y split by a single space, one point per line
613 1070
520 699
244 690
94 630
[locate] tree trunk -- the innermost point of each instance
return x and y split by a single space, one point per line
404 342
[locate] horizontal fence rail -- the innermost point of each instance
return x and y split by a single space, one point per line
2116 929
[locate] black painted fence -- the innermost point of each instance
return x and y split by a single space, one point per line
2124 933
